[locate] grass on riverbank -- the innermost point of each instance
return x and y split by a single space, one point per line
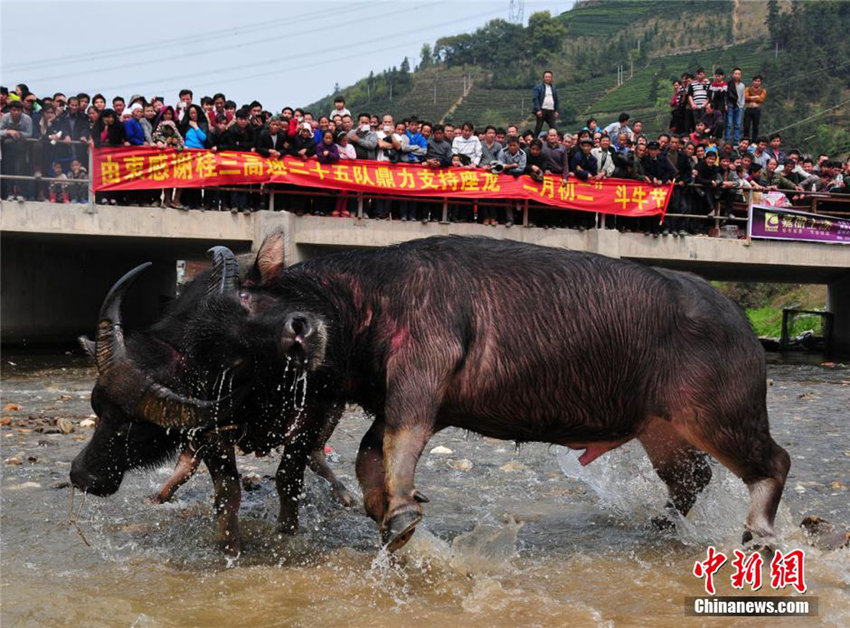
763 304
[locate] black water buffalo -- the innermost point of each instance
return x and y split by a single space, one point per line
525 343
150 390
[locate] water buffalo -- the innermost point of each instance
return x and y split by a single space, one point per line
150 389
525 343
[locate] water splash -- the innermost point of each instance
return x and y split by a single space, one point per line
486 548
625 484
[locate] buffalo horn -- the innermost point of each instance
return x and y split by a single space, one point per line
155 402
225 271
109 347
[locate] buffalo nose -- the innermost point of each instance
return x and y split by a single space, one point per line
80 479
297 324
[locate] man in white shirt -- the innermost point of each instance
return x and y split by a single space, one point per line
467 143
544 102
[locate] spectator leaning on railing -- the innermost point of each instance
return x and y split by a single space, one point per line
703 114
15 129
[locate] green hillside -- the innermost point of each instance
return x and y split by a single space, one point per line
473 77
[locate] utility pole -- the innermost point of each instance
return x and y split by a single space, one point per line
435 85
516 8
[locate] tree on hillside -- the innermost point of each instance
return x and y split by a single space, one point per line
426 57
772 21
546 35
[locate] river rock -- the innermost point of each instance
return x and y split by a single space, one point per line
11 407
6 420
512 466
439 450
14 461
250 481
23 486
824 534
65 426
840 486
87 423
65 397
58 485
464 464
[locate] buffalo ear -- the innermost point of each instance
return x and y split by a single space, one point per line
270 259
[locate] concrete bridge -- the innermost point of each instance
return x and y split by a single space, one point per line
58 260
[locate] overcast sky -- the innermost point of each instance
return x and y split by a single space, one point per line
280 53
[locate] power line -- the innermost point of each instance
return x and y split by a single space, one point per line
195 53
811 117
216 34
241 68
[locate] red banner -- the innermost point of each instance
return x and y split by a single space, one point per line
145 168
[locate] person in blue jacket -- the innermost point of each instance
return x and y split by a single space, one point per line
544 102
194 135
133 130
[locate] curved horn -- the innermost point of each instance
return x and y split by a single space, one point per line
225 271
109 346
87 345
162 406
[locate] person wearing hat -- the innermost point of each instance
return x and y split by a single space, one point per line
15 129
660 171
584 165
133 130
656 166
304 145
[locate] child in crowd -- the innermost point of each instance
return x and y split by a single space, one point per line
78 191
58 187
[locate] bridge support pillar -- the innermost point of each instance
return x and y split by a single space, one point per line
838 302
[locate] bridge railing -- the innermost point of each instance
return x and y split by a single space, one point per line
28 173
439 209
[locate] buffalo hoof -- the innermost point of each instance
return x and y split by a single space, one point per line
345 498
399 528
764 547
420 497
288 528
230 547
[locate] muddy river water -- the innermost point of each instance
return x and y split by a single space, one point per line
511 537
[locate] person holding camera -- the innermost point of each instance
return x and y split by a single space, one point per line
392 140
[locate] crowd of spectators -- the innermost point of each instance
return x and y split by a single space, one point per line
713 152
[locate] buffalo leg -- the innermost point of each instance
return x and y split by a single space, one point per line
319 464
221 461
403 446
187 464
289 480
683 468
370 472
755 458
